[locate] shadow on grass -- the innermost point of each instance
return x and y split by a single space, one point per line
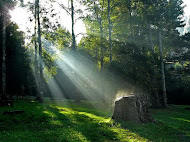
43 122
92 107
82 122
173 125
90 126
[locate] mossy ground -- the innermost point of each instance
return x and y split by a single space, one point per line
66 121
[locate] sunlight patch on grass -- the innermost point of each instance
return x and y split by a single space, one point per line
79 118
127 136
50 114
81 122
75 135
181 119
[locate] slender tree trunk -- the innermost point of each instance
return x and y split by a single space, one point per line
96 48
134 75
35 44
155 101
73 22
40 54
131 25
101 38
4 57
101 41
77 94
130 19
162 70
110 29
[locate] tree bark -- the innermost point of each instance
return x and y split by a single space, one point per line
4 56
132 108
73 22
162 70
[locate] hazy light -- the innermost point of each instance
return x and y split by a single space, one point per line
21 17
187 8
55 90
85 76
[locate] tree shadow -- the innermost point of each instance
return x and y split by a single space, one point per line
80 122
44 122
86 124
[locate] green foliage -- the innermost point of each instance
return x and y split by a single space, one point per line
61 38
177 65
135 57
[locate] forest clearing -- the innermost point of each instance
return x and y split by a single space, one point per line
66 121
94 70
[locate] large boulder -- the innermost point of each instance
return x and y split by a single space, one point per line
132 108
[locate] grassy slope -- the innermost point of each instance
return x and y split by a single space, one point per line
50 122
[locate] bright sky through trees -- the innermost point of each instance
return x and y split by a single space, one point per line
21 17
187 8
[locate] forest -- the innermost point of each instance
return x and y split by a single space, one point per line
124 76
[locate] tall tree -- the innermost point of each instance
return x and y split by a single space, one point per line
110 30
71 11
4 7
73 22
40 52
4 52
162 70
35 42
101 35
147 14
169 17
98 11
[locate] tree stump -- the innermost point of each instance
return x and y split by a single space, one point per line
132 108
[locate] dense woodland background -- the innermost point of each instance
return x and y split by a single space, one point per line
129 45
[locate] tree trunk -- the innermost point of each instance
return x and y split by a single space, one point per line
101 38
73 22
4 56
101 42
132 108
77 94
35 44
110 29
162 71
155 97
40 54
99 19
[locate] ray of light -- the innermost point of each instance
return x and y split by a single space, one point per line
79 75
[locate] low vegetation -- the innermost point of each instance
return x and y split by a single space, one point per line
88 121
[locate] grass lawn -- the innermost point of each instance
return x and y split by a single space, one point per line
65 122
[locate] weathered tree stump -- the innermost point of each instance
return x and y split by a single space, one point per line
132 108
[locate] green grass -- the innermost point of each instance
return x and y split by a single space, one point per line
65 122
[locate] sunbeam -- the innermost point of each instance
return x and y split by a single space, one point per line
80 77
